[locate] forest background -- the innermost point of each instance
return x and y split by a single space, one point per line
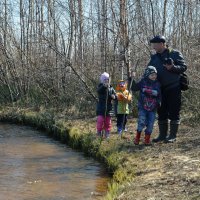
52 52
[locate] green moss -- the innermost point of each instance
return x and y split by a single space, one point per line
113 187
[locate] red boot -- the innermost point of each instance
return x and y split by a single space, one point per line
147 139
137 138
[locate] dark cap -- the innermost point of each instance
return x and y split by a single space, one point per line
158 39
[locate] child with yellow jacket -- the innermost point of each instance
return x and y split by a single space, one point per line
123 100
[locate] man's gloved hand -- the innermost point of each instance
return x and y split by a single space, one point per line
169 63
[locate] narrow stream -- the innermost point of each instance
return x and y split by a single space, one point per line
35 167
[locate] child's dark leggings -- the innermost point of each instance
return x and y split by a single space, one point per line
121 122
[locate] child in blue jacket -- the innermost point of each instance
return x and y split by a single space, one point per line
149 101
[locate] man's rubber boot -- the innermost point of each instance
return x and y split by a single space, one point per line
163 128
137 138
174 124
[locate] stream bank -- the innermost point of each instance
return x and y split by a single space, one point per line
160 171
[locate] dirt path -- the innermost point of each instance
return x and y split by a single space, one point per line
167 171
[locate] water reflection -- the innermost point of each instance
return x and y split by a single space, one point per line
34 166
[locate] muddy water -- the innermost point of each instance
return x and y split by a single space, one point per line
35 167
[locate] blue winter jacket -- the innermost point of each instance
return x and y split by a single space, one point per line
150 93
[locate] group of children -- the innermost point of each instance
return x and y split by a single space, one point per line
148 102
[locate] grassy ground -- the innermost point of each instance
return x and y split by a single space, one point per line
160 171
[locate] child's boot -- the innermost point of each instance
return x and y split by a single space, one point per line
125 129
137 138
119 131
99 134
107 134
147 139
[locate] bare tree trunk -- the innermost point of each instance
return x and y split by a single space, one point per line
75 31
99 35
152 16
5 24
3 48
182 24
164 17
71 25
4 72
80 40
93 34
103 37
124 40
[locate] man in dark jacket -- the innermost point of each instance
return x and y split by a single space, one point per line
169 64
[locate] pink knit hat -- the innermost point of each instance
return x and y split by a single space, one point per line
104 76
